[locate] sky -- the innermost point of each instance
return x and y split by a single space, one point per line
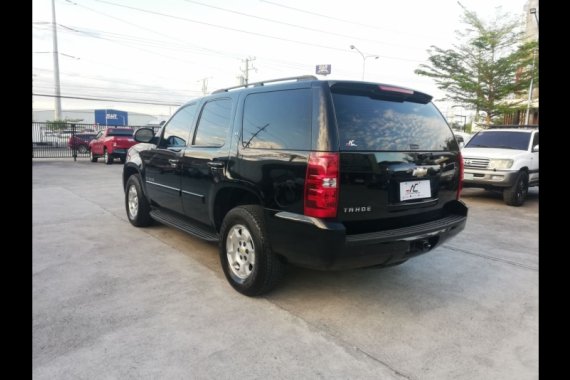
162 51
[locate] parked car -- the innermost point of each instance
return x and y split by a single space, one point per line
321 174
503 159
111 143
80 141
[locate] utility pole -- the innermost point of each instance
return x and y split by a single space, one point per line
204 85
245 71
531 11
55 64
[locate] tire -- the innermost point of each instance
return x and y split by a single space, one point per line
107 158
248 263
82 149
92 156
516 195
136 204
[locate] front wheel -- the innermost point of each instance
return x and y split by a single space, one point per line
516 195
249 265
138 208
92 156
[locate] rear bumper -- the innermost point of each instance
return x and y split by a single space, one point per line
318 244
119 153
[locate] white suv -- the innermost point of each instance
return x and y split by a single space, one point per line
504 159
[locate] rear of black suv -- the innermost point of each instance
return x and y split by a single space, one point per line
321 174
382 181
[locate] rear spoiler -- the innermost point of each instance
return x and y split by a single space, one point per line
380 91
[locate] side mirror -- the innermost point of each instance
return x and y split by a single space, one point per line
461 144
144 135
535 148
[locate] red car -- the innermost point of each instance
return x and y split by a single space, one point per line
111 143
80 142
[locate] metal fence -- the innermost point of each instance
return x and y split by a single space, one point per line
63 140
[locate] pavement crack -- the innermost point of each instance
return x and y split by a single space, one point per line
488 257
343 342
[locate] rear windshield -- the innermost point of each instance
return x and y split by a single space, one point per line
504 140
120 132
378 124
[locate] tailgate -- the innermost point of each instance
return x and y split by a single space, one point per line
379 185
123 142
398 156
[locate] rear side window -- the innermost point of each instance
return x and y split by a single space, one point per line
278 120
367 124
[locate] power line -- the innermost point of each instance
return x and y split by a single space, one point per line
301 26
170 38
101 79
108 100
162 93
243 31
340 19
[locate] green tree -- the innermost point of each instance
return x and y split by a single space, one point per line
488 70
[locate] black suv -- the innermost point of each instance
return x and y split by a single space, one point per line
321 174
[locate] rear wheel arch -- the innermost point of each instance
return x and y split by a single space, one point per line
228 198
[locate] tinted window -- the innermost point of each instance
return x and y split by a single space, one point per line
120 132
500 139
376 124
278 120
177 131
214 123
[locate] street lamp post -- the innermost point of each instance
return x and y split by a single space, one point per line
363 58
532 11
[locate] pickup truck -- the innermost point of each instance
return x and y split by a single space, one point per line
503 159
111 143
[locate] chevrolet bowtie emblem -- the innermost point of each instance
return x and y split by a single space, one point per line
420 172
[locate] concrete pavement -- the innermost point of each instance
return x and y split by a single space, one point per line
114 301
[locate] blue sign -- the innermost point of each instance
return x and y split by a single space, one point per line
112 118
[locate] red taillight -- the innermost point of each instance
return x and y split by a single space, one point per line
460 186
321 185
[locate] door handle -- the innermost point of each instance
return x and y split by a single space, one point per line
173 162
215 164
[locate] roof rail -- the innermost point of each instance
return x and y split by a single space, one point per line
500 126
256 84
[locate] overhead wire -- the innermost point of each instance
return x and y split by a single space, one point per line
241 30
108 100
327 32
